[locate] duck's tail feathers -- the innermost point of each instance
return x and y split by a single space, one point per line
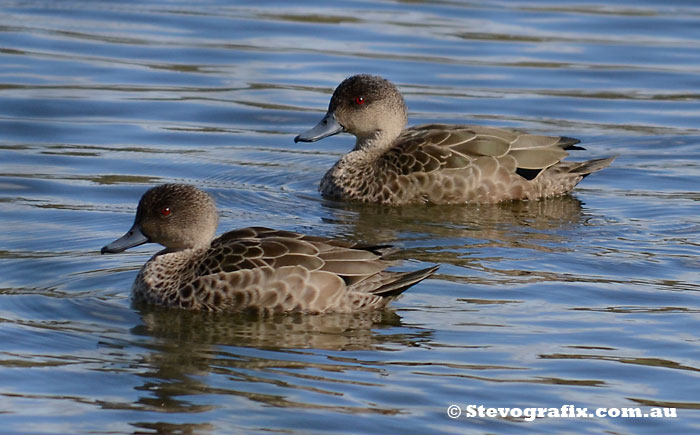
592 166
402 281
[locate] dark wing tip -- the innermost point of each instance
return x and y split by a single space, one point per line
569 143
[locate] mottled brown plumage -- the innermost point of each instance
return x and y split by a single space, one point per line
437 163
255 268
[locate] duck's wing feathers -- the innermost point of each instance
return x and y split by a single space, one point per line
260 268
432 147
255 247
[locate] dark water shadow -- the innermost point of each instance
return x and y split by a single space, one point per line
452 234
495 222
333 331
262 358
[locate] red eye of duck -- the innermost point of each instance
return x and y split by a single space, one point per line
359 100
165 211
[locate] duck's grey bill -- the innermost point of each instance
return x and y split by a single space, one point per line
327 127
133 237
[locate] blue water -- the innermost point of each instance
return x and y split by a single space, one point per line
589 300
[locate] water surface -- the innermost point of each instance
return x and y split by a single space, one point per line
589 299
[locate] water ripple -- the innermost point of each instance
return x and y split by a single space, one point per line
589 299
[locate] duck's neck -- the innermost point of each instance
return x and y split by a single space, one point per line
375 144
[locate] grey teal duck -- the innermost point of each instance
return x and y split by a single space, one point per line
437 163
251 269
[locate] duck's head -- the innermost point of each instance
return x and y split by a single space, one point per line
177 216
365 106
